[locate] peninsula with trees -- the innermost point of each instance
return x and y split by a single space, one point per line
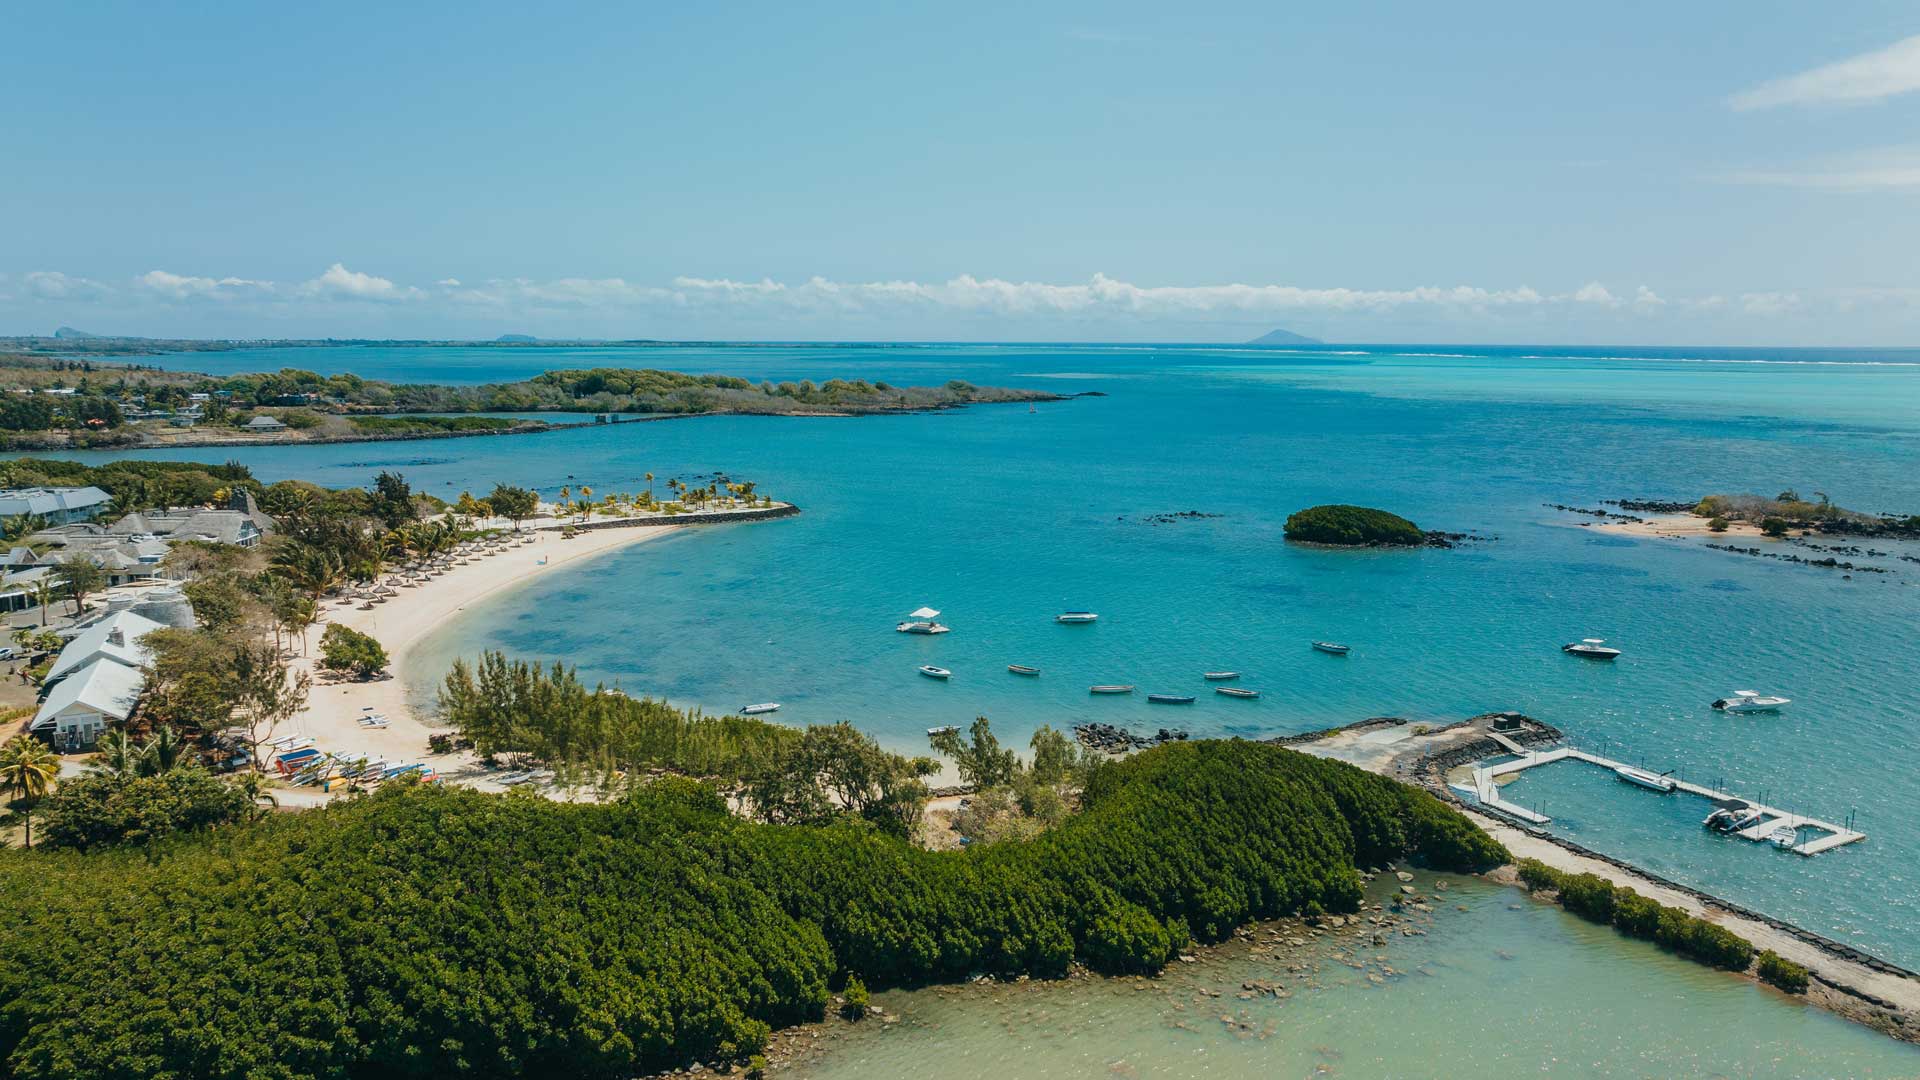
58 403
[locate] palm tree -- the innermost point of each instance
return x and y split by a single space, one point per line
119 755
27 771
163 751
649 487
43 596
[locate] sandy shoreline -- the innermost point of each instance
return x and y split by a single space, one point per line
1676 527
402 623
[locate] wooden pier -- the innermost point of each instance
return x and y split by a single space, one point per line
1487 789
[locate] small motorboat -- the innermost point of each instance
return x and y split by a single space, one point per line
1075 617
1234 691
1652 781
1333 648
1023 669
932 672
1111 688
1592 648
942 730
1170 699
1786 837
1732 815
1220 676
1747 701
757 710
922 622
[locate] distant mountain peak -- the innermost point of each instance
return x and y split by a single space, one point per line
1284 337
516 339
68 333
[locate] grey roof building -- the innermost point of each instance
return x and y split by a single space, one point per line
57 505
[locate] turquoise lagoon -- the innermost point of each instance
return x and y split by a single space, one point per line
1001 517
1499 986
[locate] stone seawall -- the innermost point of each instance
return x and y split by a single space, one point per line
788 510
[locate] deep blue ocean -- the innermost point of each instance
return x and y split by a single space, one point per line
1001 517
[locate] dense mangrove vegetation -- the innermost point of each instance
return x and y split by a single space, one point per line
425 932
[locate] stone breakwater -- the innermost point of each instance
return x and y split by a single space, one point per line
1108 739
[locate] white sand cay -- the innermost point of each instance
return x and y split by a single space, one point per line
1676 526
333 708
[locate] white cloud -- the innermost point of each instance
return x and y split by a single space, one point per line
183 287
1647 298
1769 303
1868 77
54 285
346 284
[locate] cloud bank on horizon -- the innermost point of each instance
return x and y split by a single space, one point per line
341 301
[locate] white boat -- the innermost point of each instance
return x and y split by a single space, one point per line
922 622
1748 701
1651 780
1592 648
1075 617
1733 815
942 730
1219 676
932 672
1784 837
763 707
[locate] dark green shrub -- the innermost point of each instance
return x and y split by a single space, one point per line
1588 896
1718 524
1782 972
1353 526
104 810
1773 526
1538 876
1636 916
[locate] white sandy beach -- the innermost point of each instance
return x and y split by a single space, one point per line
400 624
1677 527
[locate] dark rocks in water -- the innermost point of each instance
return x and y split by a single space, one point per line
1828 563
1604 515
1178 516
1109 739
1652 506
1438 539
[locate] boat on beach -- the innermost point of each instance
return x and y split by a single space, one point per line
1170 699
1333 648
1110 688
932 672
1748 701
1234 691
1075 617
1652 781
1220 676
1592 648
922 622
760 709
1023 669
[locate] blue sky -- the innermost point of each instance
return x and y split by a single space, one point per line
1738 172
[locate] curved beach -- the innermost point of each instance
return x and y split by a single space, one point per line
335 704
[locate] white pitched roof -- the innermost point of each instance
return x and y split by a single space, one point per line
102 686
49 500
95 642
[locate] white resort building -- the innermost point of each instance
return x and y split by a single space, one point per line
97 680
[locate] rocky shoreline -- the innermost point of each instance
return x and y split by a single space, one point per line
1108 739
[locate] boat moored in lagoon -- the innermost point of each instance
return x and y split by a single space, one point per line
932 672
1075 617
1592 648
760 709
1652 781
1170 699
1748 701
1234 691
1110 688
922 622
1220 676
1023 669
1332 648
1732 815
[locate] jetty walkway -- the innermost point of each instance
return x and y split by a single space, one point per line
1487 790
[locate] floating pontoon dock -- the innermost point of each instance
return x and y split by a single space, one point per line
1488 792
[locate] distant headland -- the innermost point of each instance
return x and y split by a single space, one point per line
1284 337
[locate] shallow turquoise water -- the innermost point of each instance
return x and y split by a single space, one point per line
1001 517
1487 992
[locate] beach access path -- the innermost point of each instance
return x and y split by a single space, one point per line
335 705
